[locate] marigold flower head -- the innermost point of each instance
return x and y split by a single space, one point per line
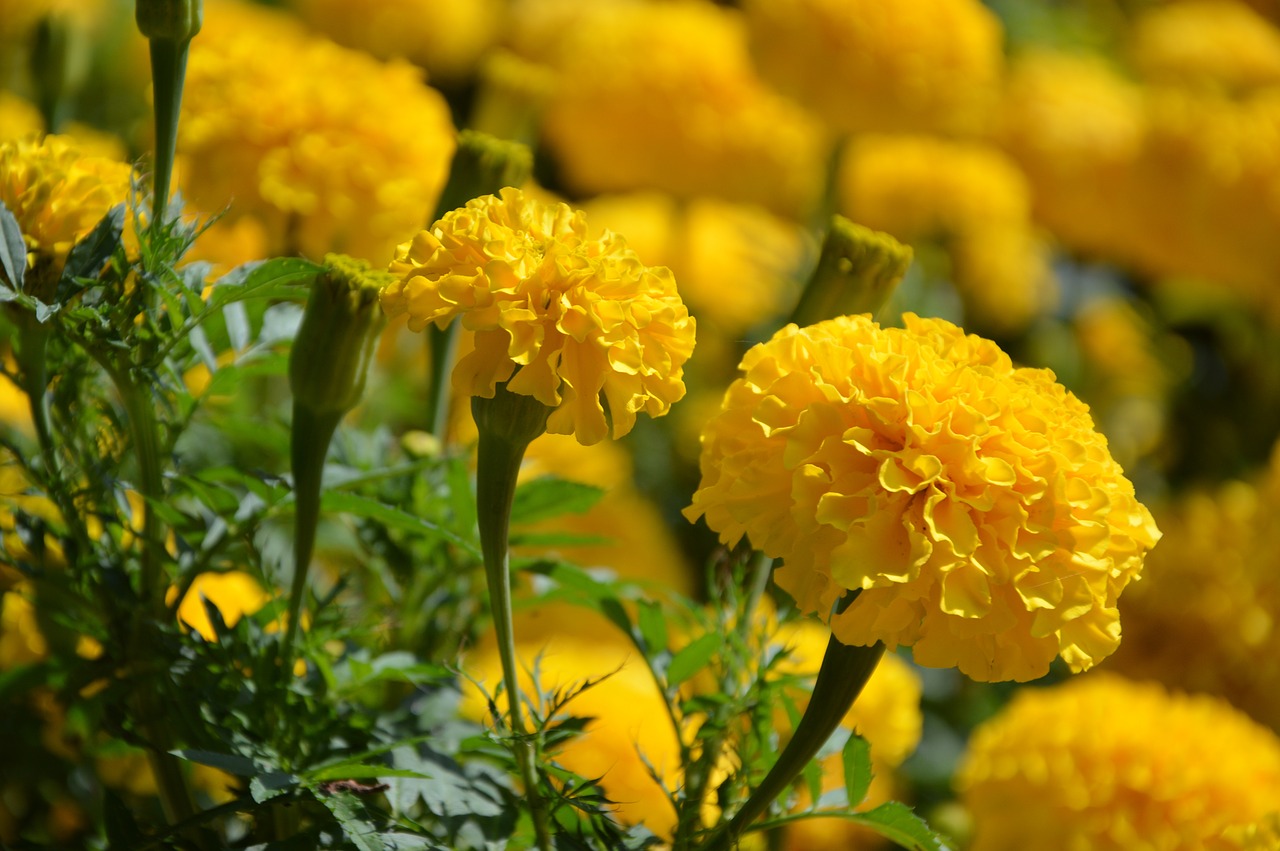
1214 42
57 194
560 317
444 37
865 65
331 149
1111 765
664 96
971 503
1209 618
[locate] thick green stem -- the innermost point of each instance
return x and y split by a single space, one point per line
311 435
498 465
845 670
168 70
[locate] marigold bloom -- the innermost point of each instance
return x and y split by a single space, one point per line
866 65
57 194
1209 618
444 37
561 317
332 150
664 96
972 503
1111 765
1214 42
234 594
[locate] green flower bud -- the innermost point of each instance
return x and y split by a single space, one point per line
482 165
856 273
512 418
335 342
171 20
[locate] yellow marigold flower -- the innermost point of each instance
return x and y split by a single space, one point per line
565 319
57 194
630 728
18 117
737 264
21 642
332 150
234 594
972 503
866 65
444 37
1208 619
1219 42
664 96
1111 765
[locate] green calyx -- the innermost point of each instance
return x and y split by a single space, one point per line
170 20
510 418
857 272
335 343
482 165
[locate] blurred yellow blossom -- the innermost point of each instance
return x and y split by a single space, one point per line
664 96
972 503
332 150
234 594
970 197
737 264
57 195
630 727
867 65
444 37
1208 617
18 117
1110 765
1214 42
561 317
21 642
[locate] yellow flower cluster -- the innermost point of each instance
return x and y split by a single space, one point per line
1110 765
1170 181
1209 618
1206 42
330 149
664 96
972 504
866 65
57 194
569 320
972 198
444 37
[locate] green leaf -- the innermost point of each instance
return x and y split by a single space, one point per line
273 784
358 771
653 626
899 823
237 765
394 518
88 255
693 658
13 254
857 769
282 277
362 833
550 496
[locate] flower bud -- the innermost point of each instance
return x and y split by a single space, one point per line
171 20
335 342
856 273
482 165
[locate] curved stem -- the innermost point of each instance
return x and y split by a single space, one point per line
498 464
845 670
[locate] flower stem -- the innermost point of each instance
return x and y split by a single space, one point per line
498 465
845 670
168 71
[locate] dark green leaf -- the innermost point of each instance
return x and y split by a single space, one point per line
857 769
360 506
897 822
271 785
549 496
237 765
362 833
88 255
283 277
693 658
356 771
13 254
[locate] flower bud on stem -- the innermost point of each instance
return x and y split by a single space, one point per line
507 423
857 272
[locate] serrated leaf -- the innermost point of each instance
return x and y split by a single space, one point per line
362 834
282 277
551 496
693 658
13 252
360 506
273 784
899 823
856 757
88 255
